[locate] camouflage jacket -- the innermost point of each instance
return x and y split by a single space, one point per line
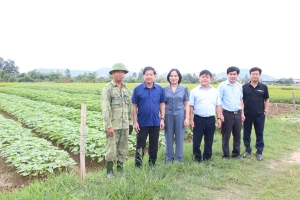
116 106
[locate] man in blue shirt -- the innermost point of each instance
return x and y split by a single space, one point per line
231 95
204 104
148 115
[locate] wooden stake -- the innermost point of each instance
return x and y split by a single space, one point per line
294 103
82 141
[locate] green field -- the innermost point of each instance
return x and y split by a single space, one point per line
47 116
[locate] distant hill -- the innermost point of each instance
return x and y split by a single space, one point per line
103 72
243 73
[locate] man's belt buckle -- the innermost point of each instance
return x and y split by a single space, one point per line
235 112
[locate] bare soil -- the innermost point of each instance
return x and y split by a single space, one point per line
10 180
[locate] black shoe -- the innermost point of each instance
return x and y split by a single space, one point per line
237 157
225 157
259 157
246 154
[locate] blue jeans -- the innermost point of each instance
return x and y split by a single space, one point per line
203 127
259 125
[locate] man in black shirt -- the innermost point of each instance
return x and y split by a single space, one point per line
256 106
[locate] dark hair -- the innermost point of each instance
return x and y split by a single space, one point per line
149 68
177 71
205 72
232 69
255 69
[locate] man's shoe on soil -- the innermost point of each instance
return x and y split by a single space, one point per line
259 157
246 154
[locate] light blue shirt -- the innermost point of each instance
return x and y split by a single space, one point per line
204 101
230 95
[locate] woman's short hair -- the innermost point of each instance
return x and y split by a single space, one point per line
178 73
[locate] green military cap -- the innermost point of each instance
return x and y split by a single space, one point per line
118 66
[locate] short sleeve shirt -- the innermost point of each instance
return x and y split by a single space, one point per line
148 102
175 100
254 98
230 95
204 101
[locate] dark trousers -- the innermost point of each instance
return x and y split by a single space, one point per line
141 138
232 123
259 125
204 126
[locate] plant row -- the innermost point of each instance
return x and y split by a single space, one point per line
68 88
59 129
30 155
93 102
94 119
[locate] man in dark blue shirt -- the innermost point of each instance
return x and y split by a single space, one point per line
256 106
148 102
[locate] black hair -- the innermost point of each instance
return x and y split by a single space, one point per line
149 68
205 72
232 69
177 71
255 69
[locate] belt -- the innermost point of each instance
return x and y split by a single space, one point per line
233 112
205 117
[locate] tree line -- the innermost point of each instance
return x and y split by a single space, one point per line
9 72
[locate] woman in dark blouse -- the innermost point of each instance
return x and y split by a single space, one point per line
177 115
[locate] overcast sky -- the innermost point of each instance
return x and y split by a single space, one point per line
164 34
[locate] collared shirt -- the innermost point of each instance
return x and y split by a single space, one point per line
148 102
230 95
116 106
254 98
204 101
175 100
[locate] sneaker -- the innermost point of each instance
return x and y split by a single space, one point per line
246 154
259 157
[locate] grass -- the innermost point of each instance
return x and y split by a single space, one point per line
276 177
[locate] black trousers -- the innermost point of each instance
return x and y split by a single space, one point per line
259 125
232 123
141 138
204 126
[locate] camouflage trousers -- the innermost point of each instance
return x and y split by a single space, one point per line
117 146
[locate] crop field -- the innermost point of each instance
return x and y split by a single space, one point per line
48 114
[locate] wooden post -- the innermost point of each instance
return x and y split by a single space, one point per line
82 141
294 103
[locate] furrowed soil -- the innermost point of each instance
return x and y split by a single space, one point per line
10 180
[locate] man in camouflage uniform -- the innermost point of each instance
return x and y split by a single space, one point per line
117 117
